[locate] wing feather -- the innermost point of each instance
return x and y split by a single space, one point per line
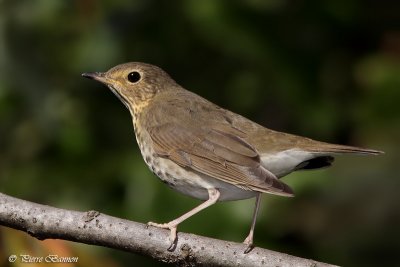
218 154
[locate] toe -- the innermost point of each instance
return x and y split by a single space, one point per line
249 244
159 225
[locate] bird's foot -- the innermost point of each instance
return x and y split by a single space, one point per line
249 243
172 227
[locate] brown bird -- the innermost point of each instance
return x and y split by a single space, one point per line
205 151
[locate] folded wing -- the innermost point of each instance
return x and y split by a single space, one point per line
218 152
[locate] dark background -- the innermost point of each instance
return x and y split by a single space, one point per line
329 70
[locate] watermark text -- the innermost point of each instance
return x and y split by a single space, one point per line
51 258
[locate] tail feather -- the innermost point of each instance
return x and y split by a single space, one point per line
342 149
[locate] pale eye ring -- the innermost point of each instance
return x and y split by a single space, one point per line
134 77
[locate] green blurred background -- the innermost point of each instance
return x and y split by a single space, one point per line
329 70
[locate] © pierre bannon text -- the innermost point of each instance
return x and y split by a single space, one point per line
25 258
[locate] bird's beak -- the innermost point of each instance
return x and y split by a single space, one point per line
97 76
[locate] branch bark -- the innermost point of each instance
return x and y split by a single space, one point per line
95 228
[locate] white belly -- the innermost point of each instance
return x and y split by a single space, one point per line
190 182
195 184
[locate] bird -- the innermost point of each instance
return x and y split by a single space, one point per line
205 151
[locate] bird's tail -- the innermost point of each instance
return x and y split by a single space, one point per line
341 149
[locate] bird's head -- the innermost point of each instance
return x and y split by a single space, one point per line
134 83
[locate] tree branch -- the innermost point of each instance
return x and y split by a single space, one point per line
92 227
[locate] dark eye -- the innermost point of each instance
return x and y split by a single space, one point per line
134 77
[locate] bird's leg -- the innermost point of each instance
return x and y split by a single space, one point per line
249 239
213 196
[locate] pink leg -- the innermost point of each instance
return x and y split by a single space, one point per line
213 196
249 239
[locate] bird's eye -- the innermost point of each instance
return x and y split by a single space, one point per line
134 77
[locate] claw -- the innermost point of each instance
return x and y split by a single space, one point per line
249 242
172 237
213 196
248 248
173 245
